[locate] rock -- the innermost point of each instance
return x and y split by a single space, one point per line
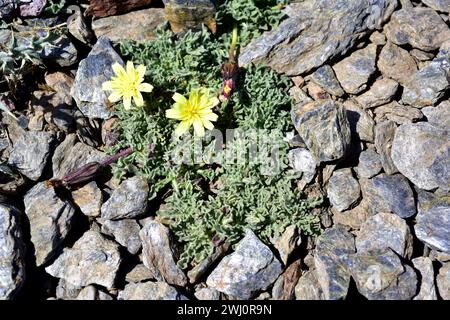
326 79
66 291
354 71
31 152
158 253
301 160
50 220
125 232
139 273
207 294
316 32
384 135
10 180
128 201
438 5
137 25
396 63
284 287
422 28
378 38
385 230
429 84
93 259
200 269
63 118
369 164
316 92
438 116
150 291
288 242
12 252
439 256
343 180
427 288
422 55
89 199
92 293
380 275
389 193
324 127
381 92
7 9
333 248
31 8
92 72
420 151
308 287
250 268
62 52
397 113
361 123
433 220
71 155
352 218
443 281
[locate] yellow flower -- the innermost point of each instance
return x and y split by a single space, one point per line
127 84
195 111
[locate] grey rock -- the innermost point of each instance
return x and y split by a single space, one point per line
443 281
139 273
397 113
31 8
63 118
326 79
66 291
333 249
93 259
252 267
421 28
31 152
384 136
316 32
129 200
150 291
380 275
136 25
125 232
354 71
50 220
438 5
89 199
438 116
308 287
159 254
381 92
427 287
422 55
433 220
343 190
92 72
7 8
429 84
207 294
421 152
324 128
302 160
352 218
12 252
362 125
288 242
369 164
385 230
62 52
71 155
200 269
439 256
378 38
396 63
92 293
389 193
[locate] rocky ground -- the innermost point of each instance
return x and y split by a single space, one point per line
372 113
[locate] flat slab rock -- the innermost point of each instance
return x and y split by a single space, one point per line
343 180
12 252
316 32
92 72
424 266
250 268
443 281
93 259
125 232
421 152
150 291
50 221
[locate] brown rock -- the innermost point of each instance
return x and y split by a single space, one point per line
105 8
396 63
397 113
384 135
89 199
381 92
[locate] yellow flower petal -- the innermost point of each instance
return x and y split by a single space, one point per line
138 99
198 128
207 124
131 73
108 85
174 114
127 102
118 69
145 87
179 98
114 97
140 70
182 128
210 116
